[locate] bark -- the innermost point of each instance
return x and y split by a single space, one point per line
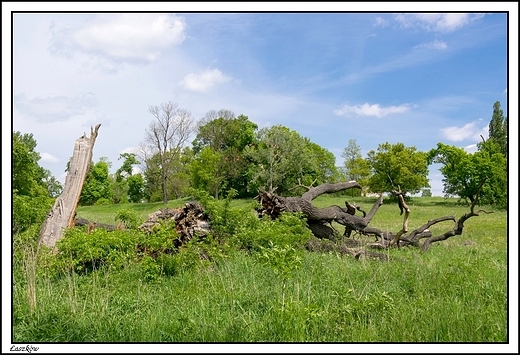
319 220
62 213
190 221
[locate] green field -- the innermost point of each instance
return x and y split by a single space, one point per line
455 292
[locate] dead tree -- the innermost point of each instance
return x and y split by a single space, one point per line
62 213
190 221
319 220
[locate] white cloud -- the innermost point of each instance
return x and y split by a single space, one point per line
370 110
55 108
48 158
440 45
469 131
445 22
124 37
204 81
472 148
381 22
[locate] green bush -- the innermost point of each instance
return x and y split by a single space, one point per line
28 211
85 252
289 230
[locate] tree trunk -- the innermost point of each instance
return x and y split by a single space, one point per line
319 220
62 214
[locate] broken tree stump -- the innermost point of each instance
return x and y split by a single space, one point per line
190 221
62 213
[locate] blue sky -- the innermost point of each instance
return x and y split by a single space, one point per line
417 78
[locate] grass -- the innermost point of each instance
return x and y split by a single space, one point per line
456 292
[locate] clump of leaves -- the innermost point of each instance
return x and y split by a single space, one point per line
128 217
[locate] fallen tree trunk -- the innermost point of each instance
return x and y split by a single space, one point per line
319 220
62 213
190 221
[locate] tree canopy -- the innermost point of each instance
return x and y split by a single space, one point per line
480 175
397 166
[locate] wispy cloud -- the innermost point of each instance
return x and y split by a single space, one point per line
203 81
370 110
125 37
48 158
55 108
381 22
440 45
470 131
440 22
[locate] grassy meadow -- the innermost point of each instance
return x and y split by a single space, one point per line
455 292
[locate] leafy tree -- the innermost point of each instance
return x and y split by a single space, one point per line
27 177
228 136
395 166
32 186
356 168
283 159
97 184
472 176
129 160
278 158
135 188
498 128
204 171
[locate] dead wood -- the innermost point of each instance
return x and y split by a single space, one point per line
190 221
62 213
319 220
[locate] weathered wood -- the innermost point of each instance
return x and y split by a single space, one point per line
190 221
319 220
62 213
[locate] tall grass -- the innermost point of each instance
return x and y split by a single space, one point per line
456 292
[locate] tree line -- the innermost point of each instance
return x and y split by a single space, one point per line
231 152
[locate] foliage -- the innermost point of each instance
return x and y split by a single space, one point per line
356 168
136 186
97 183
204 171
395 165
29 211
83 252
498 128
221 141
283 159
29 178
128 217
467 174
290 229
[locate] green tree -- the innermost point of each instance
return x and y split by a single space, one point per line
97 184
227 136
356 168
283 159
32 186
129 160
204 171
395 165
480 175
27 176
498 128
135 188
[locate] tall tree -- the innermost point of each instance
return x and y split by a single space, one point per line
227 136
356 168
480 175
167 134
396 166
97 183
498 128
